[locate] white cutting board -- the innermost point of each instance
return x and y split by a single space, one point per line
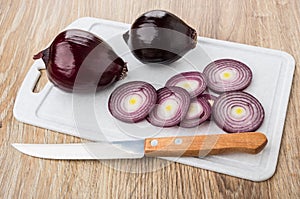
87 116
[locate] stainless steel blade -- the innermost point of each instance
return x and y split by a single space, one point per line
85 151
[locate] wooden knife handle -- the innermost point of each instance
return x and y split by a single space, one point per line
195 146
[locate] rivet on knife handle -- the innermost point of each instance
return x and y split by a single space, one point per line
195 146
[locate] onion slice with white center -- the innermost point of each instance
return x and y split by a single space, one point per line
194 82
171 107
225 75
199 112
238 112
131 102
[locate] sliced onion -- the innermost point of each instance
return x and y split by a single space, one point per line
226 75
194 82
131 102
171 107
199 112
211 100
238 112
209 97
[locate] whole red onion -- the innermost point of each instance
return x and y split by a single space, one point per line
158 36
80 60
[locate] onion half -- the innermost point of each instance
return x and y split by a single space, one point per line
199 112
225 75
194 82
238 112
171 107
132 101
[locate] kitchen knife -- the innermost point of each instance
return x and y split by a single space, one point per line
191 146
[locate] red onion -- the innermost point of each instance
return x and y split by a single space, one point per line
172 106
132 101
158 36
199 112
194 82
77 50
238 112
226 75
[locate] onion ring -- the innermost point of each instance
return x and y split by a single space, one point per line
132 101
172 106
238 112
225 75
194 82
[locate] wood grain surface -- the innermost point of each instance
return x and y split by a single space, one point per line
28 26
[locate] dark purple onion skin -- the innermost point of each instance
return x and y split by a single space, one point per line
203 117
151 42
237 97
74 49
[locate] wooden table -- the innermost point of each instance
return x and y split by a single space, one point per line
28 26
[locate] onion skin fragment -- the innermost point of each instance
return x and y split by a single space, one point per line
199 118
77 50
167 99
238 111
129 95
159 36
211 100
225 75
209 97
179 79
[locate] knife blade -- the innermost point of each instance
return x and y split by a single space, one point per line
184 146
